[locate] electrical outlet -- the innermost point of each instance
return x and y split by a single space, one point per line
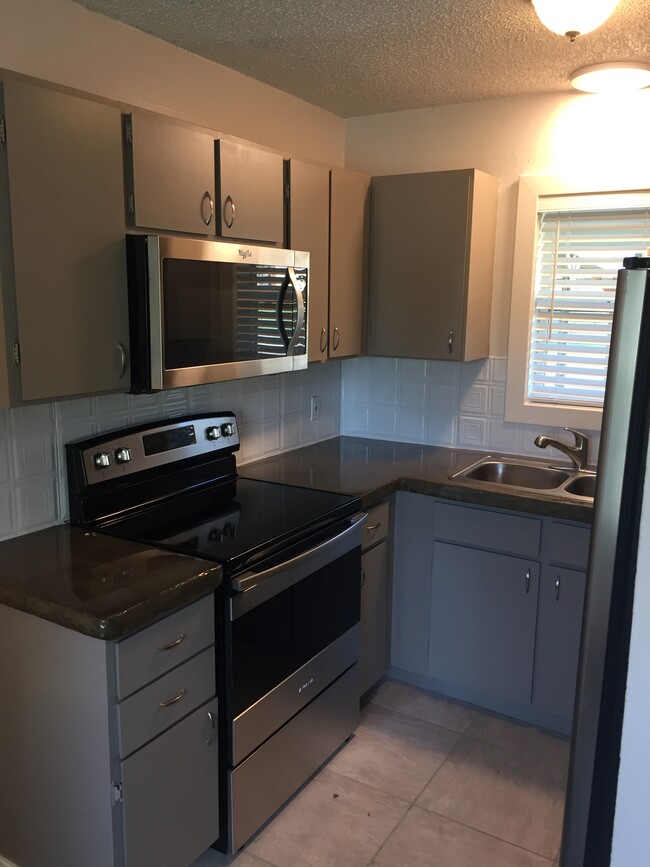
315 407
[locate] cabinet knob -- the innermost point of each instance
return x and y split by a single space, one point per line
207 197
336 338
229 206
323 339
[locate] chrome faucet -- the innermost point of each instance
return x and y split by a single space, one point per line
577 453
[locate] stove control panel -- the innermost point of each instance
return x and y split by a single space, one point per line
157 444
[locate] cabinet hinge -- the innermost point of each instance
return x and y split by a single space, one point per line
16 353
128 130
287 192
118 795
131 204
3 131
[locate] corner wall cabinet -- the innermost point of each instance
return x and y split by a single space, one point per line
431 266
63 266
487 606
121 737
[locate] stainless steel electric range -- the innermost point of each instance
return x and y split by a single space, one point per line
287 611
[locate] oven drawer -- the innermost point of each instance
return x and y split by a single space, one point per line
159 705
376 527
157 649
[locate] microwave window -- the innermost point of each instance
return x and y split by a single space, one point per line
218 312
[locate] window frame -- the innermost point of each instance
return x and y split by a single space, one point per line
518 408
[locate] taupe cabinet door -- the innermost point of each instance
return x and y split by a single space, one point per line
251 199
349 198
432 259
309 209
374 616
170 179
65 179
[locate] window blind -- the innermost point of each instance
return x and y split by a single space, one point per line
579 253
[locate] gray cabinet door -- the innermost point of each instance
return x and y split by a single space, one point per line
170 790
170 176
483 612
309 208
559 625
349 197
412 552
374 617
64 163
251 200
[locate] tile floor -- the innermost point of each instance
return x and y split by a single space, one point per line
423 783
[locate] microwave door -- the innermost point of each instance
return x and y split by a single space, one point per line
297 310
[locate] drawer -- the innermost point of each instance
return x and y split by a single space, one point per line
376 527
159 705
157 649
569 545
481 528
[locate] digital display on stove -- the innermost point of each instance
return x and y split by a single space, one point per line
166 440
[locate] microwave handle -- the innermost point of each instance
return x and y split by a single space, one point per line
300 303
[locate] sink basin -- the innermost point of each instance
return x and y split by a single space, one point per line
582 486
515 474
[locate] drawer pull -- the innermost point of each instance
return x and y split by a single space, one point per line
363 577
372 527
527 580
336 338
557 589
171 701
213 735
172 644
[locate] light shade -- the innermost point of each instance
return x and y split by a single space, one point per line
573 17
612 77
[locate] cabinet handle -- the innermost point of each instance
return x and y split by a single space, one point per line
122 350
336 339
370 528
323 339
213 735
527 580
557 589
227 200
171 701
172 644
206 195
363 577
450 342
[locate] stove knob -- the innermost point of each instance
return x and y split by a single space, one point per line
227 429
102 460
212 433
122 455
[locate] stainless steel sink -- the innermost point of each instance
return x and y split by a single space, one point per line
517 475
528 476
582 485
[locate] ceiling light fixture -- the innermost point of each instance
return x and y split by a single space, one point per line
612 77
573 18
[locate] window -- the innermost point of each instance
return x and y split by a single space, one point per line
561 320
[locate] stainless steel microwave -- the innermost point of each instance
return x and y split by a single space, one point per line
206 311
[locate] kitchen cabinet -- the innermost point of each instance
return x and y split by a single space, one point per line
121 737
170 181
487 606
349 220
373 655
431 264
308 229
251 192
62 258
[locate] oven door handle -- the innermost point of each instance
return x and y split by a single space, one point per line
256 587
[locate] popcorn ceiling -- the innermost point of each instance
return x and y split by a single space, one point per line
361 57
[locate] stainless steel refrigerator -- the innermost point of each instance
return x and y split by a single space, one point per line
597 723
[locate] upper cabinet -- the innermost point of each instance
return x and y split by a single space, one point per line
63 269
251 193
308 229
432 259
349 207
170 182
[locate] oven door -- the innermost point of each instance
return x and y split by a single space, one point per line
215 311
295 629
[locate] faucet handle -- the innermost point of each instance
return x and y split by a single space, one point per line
581 446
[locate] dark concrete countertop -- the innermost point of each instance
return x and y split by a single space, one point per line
96 584
373 469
